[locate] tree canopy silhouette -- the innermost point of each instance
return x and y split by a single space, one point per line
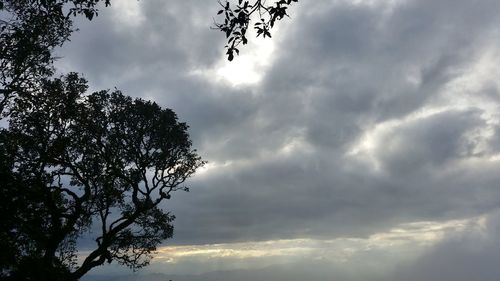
73 163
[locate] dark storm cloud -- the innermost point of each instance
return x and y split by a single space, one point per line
279 149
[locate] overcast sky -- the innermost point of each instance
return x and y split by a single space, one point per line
361 142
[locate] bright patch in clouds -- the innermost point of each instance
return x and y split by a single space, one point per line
127 13
246 69
403 243
250 66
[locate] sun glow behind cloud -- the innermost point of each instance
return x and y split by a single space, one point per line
246 69
250 66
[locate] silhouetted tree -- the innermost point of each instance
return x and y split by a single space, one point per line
237 19
73 163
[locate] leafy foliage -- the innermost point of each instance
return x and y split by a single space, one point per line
237 19
29 32
77 162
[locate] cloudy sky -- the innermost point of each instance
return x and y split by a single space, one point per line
361 142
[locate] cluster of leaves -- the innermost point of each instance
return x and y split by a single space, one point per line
86 7
72 162
29 32
237 19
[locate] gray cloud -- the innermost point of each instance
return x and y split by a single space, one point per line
339 72
469 256
279 148
429 143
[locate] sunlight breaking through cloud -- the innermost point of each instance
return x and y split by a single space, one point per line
404 242
247 69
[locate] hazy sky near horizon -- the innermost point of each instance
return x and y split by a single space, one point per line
362 140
